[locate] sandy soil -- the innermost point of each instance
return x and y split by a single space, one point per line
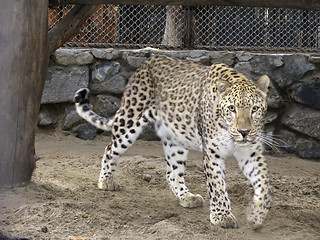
63 199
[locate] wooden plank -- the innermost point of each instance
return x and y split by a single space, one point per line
296 4
69 25
23 67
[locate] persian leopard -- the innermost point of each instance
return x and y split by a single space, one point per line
215 110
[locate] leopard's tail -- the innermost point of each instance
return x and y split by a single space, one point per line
84 109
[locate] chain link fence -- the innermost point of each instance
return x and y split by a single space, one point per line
201 27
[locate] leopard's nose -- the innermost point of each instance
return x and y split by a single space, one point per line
244 132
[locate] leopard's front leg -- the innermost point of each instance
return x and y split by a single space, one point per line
220 209
254 167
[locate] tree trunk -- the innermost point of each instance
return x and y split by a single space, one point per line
23 66
176 26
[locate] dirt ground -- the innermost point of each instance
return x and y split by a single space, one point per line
63 200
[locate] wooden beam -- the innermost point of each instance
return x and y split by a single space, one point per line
23 66
69 26
296 4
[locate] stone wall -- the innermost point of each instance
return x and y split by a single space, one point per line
293 119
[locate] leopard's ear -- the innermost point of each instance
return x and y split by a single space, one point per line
263 84
223 87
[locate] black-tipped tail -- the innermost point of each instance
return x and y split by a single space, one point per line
84 109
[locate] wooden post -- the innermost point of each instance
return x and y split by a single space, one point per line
23 66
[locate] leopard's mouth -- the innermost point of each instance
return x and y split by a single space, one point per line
245 141
242 142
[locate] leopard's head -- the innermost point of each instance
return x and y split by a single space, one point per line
243 105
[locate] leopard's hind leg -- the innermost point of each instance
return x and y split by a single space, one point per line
136 111
127 127
125 131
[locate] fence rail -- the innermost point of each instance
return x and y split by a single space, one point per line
197 27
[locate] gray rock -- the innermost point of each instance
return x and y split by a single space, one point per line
308 149
84 58
107 78
274 98
196 53
148 51
147 177
103 70
307 94
135 61
223 57
287 141
268 60
282 69
313 79
177 54
205 60
295 67
108 54
302 119
86 132
44 118
63 82
259 65
107 105
270 117
243 56
277 61
246 69
314 59
71 119
265 64
65 57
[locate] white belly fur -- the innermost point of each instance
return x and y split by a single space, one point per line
165 132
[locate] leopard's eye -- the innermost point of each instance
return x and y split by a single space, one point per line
232 108
255 108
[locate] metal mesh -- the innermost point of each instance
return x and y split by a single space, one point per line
197 27
56 14
256 27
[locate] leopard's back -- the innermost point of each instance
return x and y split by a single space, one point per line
177 88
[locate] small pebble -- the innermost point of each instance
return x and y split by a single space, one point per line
44 229
147 177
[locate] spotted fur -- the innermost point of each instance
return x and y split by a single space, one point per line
215 110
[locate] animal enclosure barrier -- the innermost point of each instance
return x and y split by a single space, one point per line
199 27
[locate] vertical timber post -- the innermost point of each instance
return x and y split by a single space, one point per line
23 67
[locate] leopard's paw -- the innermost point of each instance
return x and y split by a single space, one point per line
109 185
225 220
257 213
191 201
